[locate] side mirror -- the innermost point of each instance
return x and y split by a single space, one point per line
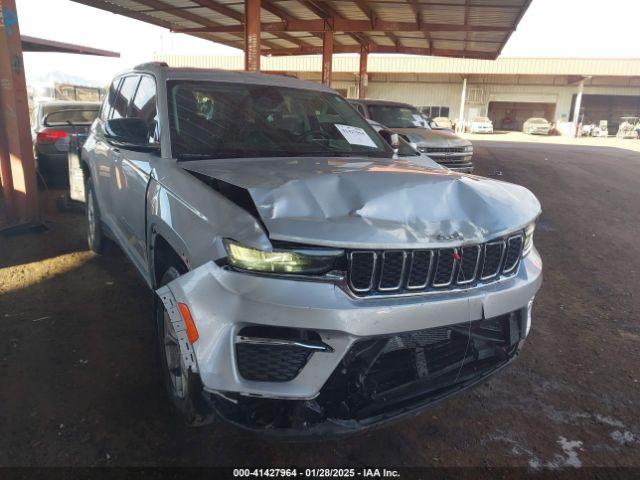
391 138
130 133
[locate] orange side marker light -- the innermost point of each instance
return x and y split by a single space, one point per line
192 331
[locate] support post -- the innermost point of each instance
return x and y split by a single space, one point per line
363 79
18 169
327 58
463 97
252 35
576 110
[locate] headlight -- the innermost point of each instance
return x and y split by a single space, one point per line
528 238
468 148
281 261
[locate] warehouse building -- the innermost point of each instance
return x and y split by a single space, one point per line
507 90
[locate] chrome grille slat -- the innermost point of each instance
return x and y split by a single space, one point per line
492 259
513 253
418 276
390 276
443 277
469 254
358 284
392 272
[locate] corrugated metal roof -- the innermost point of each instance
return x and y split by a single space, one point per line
411 64
455 28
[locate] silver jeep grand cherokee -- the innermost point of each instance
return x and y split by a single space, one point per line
308 280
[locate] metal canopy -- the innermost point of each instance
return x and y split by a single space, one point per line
32 44
452 28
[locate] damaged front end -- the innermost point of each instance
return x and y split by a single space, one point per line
379 379
297 358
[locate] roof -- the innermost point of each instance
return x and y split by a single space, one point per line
216 75
413 64
457 28
33 44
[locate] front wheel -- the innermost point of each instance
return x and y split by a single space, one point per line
184 387
95 237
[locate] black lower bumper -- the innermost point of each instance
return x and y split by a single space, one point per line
385 378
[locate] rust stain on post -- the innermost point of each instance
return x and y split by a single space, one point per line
327 58
252 36
363 75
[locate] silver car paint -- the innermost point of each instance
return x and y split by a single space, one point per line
222 301
380 203
427 137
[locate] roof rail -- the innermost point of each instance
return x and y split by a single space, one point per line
142 66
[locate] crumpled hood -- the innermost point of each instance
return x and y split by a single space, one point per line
432 138
374 203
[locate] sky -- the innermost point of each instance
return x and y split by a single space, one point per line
550 28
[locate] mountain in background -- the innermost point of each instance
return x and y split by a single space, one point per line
58 76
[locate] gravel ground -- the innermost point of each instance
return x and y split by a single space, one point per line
81 386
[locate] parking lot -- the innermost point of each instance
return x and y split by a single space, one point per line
81 385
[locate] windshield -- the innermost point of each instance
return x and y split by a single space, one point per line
75 115
394 116
481 119
223 120
537 120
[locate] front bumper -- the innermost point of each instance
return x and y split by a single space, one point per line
223 302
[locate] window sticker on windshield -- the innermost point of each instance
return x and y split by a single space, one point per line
355 135
418 121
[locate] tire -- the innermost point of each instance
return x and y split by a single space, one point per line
95 236
184 387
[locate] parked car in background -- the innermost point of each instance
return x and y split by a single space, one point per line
443 122
52 125
443 146
307 281
628 128
405 151
536 126
481 125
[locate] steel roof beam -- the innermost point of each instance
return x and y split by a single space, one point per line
373 48
344 25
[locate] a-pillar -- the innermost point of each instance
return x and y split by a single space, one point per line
18 169
252 35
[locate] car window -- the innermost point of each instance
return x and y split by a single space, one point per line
110 100
70 114
223 120
394 116
360 109
122 99
144 105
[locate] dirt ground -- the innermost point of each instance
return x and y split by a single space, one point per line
80 384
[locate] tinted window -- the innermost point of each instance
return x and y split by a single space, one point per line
110 100
144 104
121 103
393 116
77 115
360 108
223 120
